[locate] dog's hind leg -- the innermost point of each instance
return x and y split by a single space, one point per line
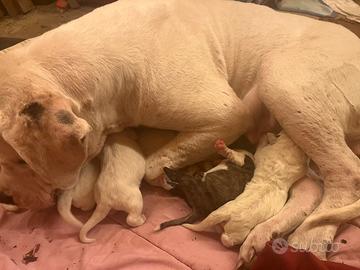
314 111
134 208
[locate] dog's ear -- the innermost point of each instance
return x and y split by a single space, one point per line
50 138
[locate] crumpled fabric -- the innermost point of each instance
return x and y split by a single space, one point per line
332 9
120 247
288 258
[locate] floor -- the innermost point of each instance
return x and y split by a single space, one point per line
38 21
47 17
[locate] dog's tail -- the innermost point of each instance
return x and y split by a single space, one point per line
98 215
337 215
64 208
192 217
208 224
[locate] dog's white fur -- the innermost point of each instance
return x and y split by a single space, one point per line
304 196
181 65
123 167
339 215
277 167
81 196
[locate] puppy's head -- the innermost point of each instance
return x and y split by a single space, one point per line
179 178
43 144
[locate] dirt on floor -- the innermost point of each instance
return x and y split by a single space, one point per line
38 21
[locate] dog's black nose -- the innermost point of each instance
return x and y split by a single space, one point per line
6 199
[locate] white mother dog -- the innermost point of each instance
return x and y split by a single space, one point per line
183 65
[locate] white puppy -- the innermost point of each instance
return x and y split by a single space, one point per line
304 196
278 166
123 167
81 196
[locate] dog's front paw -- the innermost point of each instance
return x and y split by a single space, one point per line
318 240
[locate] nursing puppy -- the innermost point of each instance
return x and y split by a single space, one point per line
208 191
117 187
279 163
81 196
304 196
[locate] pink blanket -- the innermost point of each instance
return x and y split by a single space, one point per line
119 247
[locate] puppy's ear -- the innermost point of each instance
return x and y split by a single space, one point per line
50 138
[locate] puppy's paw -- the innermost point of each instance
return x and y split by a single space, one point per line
249 210
134 220
154 171
318 240
256 241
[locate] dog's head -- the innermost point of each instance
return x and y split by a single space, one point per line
43 144
18 180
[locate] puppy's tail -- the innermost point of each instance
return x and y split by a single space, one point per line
98 215
337 215
208 223
179 221
64 208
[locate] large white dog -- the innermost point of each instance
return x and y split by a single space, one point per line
203 68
